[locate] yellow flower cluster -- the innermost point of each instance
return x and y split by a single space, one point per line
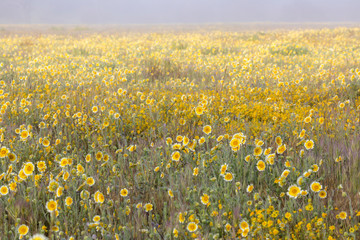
211 135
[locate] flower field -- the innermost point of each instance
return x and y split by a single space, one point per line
180 135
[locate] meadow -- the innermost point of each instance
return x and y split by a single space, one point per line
180 135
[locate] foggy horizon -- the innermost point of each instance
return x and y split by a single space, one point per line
176 11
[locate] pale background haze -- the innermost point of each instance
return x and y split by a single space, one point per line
176 11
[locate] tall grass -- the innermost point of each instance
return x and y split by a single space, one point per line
99 120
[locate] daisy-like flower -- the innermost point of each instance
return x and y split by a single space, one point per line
4 190
301 153
285 173
228 177
51 205
96 218
68 201
315 186
38 237
315 168
322 194
170 193
258 151
250 188
235 143
182 121
244 225
260 165
41 166
175 156
293 191
46 142
24 135
182 217
245 232
64 162
23 229
205 199
278 140
185 141
202 140
342 215
12 157
179 138
199 110
207 129
307 173
99 197
270 159
321 120
307 119
148 207
90 181
124 192
29 168
281 149
300 180
267 151
223 169
309 144
59 191
192 227
195 171
227 227
99 156
304 192
302 134
94 109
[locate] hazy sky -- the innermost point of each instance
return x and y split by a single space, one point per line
177 11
